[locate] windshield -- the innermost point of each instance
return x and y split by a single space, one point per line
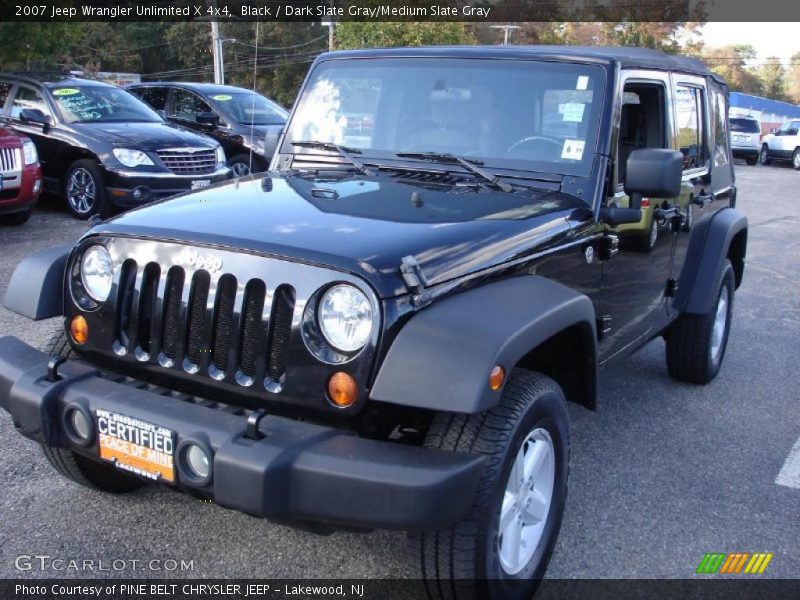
100 104
745 126
516 114
247 108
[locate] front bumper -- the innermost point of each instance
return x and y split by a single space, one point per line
22 190
296 472
122 184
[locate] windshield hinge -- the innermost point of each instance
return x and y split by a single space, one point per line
415 281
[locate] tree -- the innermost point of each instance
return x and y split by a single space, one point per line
773 79
730 62
350 35
37 45
793 79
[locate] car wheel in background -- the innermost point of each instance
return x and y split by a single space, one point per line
763 156
84 191
796 159
751 160
241 166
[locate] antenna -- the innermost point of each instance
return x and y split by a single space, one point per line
253 103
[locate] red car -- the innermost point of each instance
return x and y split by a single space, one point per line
20 177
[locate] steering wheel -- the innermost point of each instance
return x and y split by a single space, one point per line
534 139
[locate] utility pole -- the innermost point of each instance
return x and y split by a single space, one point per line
216 48
330 25
506 29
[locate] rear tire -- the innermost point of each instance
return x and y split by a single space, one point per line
529 427
76 467
751 160
763 156
696 343
796 159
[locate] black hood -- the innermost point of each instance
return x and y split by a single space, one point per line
143 136
364 225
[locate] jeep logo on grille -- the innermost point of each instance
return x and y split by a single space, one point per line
192 258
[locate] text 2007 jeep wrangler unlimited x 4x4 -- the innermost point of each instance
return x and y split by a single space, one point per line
383 331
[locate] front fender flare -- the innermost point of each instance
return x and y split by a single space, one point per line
442 357
36 289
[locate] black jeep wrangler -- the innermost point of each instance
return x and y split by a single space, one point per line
383 331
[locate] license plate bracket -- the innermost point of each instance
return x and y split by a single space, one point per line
136 446
200 183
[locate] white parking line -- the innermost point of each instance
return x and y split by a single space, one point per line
789 474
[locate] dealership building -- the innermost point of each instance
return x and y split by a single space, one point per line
770 113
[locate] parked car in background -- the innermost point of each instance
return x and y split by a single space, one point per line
101 147
246 123
20 176
782 144
745 138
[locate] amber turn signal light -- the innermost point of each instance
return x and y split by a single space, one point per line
497 377
79 329
342 389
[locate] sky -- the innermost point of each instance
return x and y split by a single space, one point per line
769 39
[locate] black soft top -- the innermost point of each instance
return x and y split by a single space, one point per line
625 57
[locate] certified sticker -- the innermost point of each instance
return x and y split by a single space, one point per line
66 92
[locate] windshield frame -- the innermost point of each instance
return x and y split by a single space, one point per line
601 77
66 117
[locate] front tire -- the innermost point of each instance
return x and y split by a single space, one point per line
76 467
502 547
751 160
796 159
241 166
763 156
84 190
696 343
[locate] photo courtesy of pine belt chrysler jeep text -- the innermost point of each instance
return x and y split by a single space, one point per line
383 330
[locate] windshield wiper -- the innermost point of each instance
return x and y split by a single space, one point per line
470 165
344 152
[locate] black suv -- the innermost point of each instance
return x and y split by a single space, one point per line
246 123
101 147
384 331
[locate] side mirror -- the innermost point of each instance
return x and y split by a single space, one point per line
206 118
654 172
271 139
162 113
33 115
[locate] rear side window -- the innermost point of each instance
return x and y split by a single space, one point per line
745 126
156 97
5 90
689 112
721 135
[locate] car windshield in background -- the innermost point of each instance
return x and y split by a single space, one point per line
100 104
247 108
745 126
516 114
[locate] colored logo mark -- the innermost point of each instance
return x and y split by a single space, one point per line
748 563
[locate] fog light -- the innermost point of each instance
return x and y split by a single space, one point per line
140 192
198 461
497 377
79 424
79 329
342 389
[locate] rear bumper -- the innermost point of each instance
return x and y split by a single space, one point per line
744 152
296 472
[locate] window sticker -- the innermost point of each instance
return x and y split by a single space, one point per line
573 149
222 97
65 92
573 111
583 82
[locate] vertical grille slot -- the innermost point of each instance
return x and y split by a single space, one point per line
172 309
126 286
254 295
223 321
197 333
280 328
147 304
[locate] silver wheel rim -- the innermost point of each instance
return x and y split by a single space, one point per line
763 156
653 233
81 191
240 169
796 160
526 501
720 323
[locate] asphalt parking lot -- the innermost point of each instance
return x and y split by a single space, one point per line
662 474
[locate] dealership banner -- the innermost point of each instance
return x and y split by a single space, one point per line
401 10
551 589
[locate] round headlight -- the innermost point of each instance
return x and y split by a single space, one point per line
97 273
345 318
